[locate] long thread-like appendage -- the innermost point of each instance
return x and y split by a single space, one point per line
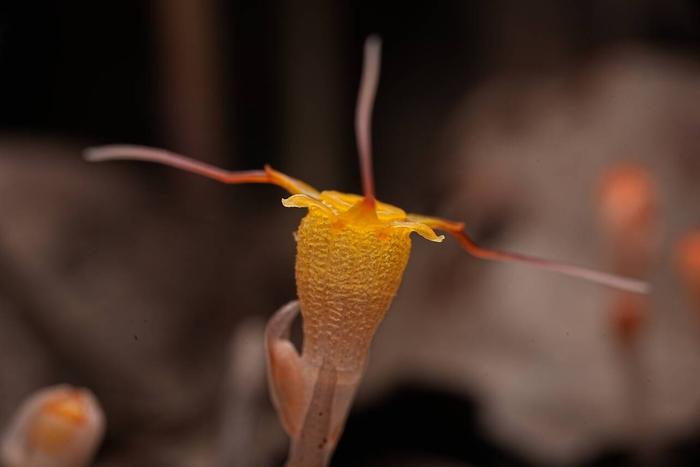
456 230
363 114
171 159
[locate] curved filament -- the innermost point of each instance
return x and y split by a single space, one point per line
161 156
456 230
363 114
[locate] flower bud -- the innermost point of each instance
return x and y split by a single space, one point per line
59 426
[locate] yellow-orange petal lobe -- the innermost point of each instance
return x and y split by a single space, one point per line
419 228
343 202
349 266
306 201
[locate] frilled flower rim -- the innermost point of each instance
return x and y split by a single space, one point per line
335 204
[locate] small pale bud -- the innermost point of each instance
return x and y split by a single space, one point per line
60 426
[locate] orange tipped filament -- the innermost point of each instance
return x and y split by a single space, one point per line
363 115
125 151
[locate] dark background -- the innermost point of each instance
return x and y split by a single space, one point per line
131 279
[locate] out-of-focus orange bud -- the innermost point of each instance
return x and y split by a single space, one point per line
628 210
627 198
688 261
629 315
60 426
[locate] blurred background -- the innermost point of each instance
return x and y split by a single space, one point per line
568 129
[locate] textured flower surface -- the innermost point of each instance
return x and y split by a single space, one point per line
350 261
